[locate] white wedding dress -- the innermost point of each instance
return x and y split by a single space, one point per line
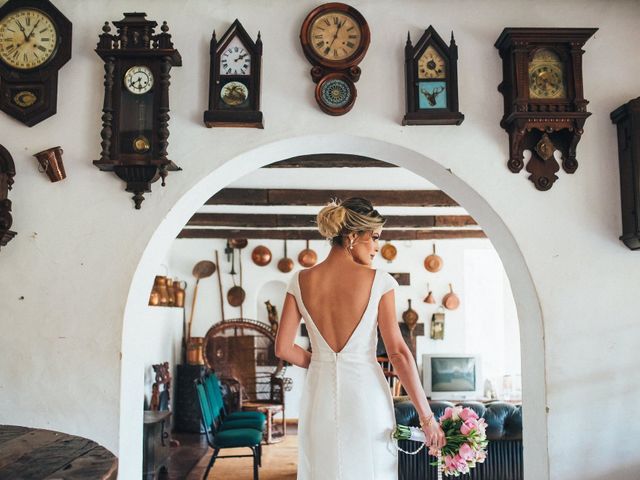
346 411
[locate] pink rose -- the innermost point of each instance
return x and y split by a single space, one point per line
468 413
448 413
466 452
468 426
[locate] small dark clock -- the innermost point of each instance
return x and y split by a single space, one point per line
35 42
335 38
135 120
544 105
431 76
234 80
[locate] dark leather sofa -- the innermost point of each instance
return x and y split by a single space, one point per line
504 432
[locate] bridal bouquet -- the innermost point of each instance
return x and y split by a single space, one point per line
466 441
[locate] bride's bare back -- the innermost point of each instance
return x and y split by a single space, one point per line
336 298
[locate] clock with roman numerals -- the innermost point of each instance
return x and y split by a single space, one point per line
35 42
335 38
234 89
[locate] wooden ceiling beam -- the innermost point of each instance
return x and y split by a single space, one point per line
330 160
231 220
276 196
310 234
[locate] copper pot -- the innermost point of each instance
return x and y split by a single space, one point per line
285 265
238 243
194 351
433 262
160 286
261 256
236 295
179 292
388 252
307 257
410 317
451 300
51 163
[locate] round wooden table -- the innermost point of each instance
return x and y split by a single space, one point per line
35 454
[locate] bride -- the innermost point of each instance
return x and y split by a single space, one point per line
346 411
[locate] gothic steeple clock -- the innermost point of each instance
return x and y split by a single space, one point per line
135 120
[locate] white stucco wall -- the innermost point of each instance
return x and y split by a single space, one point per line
66 277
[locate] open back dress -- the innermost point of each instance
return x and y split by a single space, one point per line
346 411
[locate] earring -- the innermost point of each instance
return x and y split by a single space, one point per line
351 245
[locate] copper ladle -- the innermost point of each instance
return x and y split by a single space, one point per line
202 269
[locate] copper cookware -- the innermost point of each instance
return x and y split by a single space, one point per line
261 256
285 265
202 269
238 243
388 252
433 262
236 294
307 257
410 317
451 301
429 298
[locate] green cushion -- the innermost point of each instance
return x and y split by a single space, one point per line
240 423
241 437
257 415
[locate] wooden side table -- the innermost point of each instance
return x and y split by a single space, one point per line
155 453
275 433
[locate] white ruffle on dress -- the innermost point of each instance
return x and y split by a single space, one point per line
346 411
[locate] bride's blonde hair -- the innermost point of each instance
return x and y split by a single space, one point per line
354 214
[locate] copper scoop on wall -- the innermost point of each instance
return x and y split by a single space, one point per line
285 265
429 298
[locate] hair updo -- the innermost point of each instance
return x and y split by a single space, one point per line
354 214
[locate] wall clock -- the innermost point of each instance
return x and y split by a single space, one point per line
431 76
544 105
7 172
234 80
35 42
627 119
335 38
135 120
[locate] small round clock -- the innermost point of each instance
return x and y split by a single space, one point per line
138 79
235 60
336 94
28 39
335 34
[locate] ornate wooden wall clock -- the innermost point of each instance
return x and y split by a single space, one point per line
135 120
35 42
234 80
431 75
335 38
544 105
7 172
627 118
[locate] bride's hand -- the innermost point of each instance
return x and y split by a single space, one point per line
434 434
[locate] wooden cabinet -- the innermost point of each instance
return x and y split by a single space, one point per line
155 453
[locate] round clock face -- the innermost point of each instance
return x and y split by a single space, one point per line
235 59
335 93
431 64
234 94
28 39
335 36
546 75
138 79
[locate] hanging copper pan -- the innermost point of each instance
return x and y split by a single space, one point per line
261 256
307 257
433 262
202 269
236 294
238 243
285 265
388 252
451 301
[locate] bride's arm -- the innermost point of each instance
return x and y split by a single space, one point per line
286 349
400 355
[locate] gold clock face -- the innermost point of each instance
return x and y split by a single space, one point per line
335 36
431 64
28 39
546 76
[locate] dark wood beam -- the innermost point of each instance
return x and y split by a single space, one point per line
274 196
330 160
315 235
250 220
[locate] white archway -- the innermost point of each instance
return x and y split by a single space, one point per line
535 438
